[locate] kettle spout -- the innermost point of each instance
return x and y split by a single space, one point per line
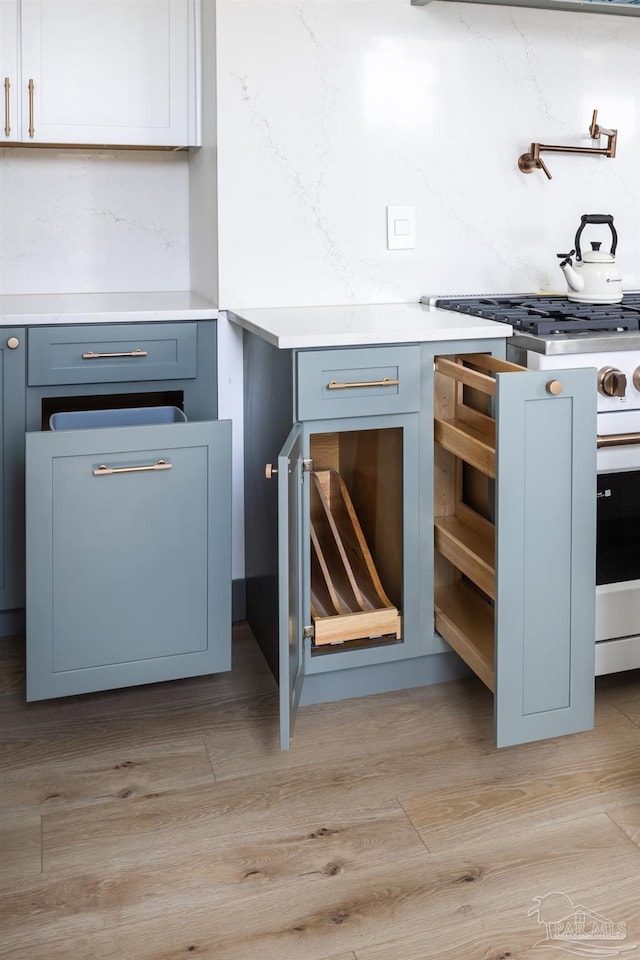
575 281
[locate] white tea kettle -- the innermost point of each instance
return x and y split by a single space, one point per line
595 277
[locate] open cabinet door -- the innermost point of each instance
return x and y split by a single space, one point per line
290 533
545 554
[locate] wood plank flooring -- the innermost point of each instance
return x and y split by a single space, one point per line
163 823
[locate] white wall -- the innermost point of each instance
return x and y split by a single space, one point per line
91 220
328 110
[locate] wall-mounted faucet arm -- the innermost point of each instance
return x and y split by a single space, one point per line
528 162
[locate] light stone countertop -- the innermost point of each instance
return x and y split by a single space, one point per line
67 308
360 325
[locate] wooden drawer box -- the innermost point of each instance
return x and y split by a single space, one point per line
112 353
358 382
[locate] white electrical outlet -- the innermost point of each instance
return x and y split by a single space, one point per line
401 228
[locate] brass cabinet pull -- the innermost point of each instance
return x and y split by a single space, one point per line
387 382
13 343
269 471
7 116
104 471
92 355
618 440
31 127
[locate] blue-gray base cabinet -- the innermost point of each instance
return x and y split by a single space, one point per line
515 562
129 582
373 435
129 556
322 408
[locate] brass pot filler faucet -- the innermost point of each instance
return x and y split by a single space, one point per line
531 161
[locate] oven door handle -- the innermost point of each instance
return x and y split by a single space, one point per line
618 440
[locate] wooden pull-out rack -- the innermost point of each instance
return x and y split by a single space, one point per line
464 535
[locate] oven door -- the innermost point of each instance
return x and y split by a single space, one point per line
618 544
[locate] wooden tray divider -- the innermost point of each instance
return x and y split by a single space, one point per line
344 563
332 603
336 570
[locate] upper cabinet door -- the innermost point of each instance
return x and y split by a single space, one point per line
109 72
9 69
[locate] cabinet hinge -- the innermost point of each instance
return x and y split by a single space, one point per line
307 466
308 632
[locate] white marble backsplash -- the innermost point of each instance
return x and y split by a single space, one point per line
329 110
81 221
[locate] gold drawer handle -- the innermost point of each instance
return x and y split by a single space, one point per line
618 440
104 471
92 355
387 382
554 387
7 117
31 127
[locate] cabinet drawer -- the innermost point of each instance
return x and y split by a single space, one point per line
361 382
114 353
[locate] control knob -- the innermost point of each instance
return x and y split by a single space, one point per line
612 382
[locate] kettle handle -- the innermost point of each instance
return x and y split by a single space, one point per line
596 218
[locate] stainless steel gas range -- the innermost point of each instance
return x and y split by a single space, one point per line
552 333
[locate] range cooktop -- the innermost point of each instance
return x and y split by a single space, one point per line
550 314
553 324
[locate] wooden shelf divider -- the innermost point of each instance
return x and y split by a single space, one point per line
465 620
469 548
468 443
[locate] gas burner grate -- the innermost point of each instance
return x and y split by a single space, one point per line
550 315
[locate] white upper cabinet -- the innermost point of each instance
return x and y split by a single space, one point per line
9 69
112 72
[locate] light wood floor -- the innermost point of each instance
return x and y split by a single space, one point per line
163 823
